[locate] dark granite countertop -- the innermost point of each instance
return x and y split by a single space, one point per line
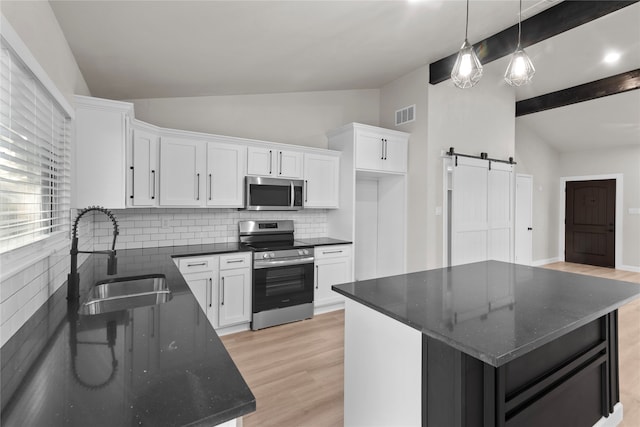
154 365
324 241
491 310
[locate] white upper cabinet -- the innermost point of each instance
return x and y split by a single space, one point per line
225 174
380 150
273 162
101 132
182 177
321 180
144 177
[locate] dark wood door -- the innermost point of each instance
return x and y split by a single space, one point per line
590 222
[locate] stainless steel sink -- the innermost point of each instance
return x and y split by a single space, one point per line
126 292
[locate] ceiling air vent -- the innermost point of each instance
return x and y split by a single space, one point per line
406 115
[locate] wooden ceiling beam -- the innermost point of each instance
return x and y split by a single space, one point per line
546 24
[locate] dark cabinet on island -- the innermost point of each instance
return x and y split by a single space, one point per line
483 344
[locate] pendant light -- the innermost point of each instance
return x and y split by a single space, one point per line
520 70
467 70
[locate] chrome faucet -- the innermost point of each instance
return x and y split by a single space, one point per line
73 279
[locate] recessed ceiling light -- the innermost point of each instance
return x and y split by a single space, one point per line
611 57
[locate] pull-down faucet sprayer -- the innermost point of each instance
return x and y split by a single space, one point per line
73 279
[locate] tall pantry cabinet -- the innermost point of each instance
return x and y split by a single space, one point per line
373 199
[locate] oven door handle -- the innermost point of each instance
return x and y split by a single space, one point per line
258 264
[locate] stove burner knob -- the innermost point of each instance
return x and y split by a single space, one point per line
300 252
305 252
272 255
265 255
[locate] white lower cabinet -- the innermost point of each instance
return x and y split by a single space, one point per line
235 297
222 286
333 265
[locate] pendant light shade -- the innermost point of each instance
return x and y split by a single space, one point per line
467 70
520 70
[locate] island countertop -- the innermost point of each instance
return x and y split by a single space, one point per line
155 365
493 311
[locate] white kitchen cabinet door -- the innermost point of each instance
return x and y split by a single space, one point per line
381 152
369 151
234 297
321 181
289 164
269 161
395 154
225 174
182 177
101 132
143 169
333 265
260 161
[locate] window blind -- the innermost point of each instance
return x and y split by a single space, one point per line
34 157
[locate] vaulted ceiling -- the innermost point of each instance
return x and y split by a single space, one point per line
150 49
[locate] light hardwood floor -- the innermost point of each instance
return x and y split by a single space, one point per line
296 371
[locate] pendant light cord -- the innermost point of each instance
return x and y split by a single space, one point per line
519 25
466 28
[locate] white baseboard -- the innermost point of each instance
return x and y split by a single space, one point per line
539 262
631 268
613 419
233 329
328 308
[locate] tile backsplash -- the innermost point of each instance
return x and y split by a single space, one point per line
147 228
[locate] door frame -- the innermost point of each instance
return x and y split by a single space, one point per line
515 216
619 207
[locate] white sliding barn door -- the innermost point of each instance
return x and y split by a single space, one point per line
500 215
481 217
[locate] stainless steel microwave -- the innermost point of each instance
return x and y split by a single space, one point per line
273 194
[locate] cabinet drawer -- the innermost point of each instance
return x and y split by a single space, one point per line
197 264
235 260
325 252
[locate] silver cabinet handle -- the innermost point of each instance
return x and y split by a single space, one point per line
306 190
280 153
386 148
210 187
233 261
222 301
270 160
317 277
133 182
153 177
196 264
332 252
210 290
198 186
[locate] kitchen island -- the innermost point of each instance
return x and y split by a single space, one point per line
160 364
483 344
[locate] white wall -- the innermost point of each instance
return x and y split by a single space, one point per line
37 26
475 120
408 90
536 157
301 118
24 289
625 161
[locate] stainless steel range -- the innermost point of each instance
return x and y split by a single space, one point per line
282 273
